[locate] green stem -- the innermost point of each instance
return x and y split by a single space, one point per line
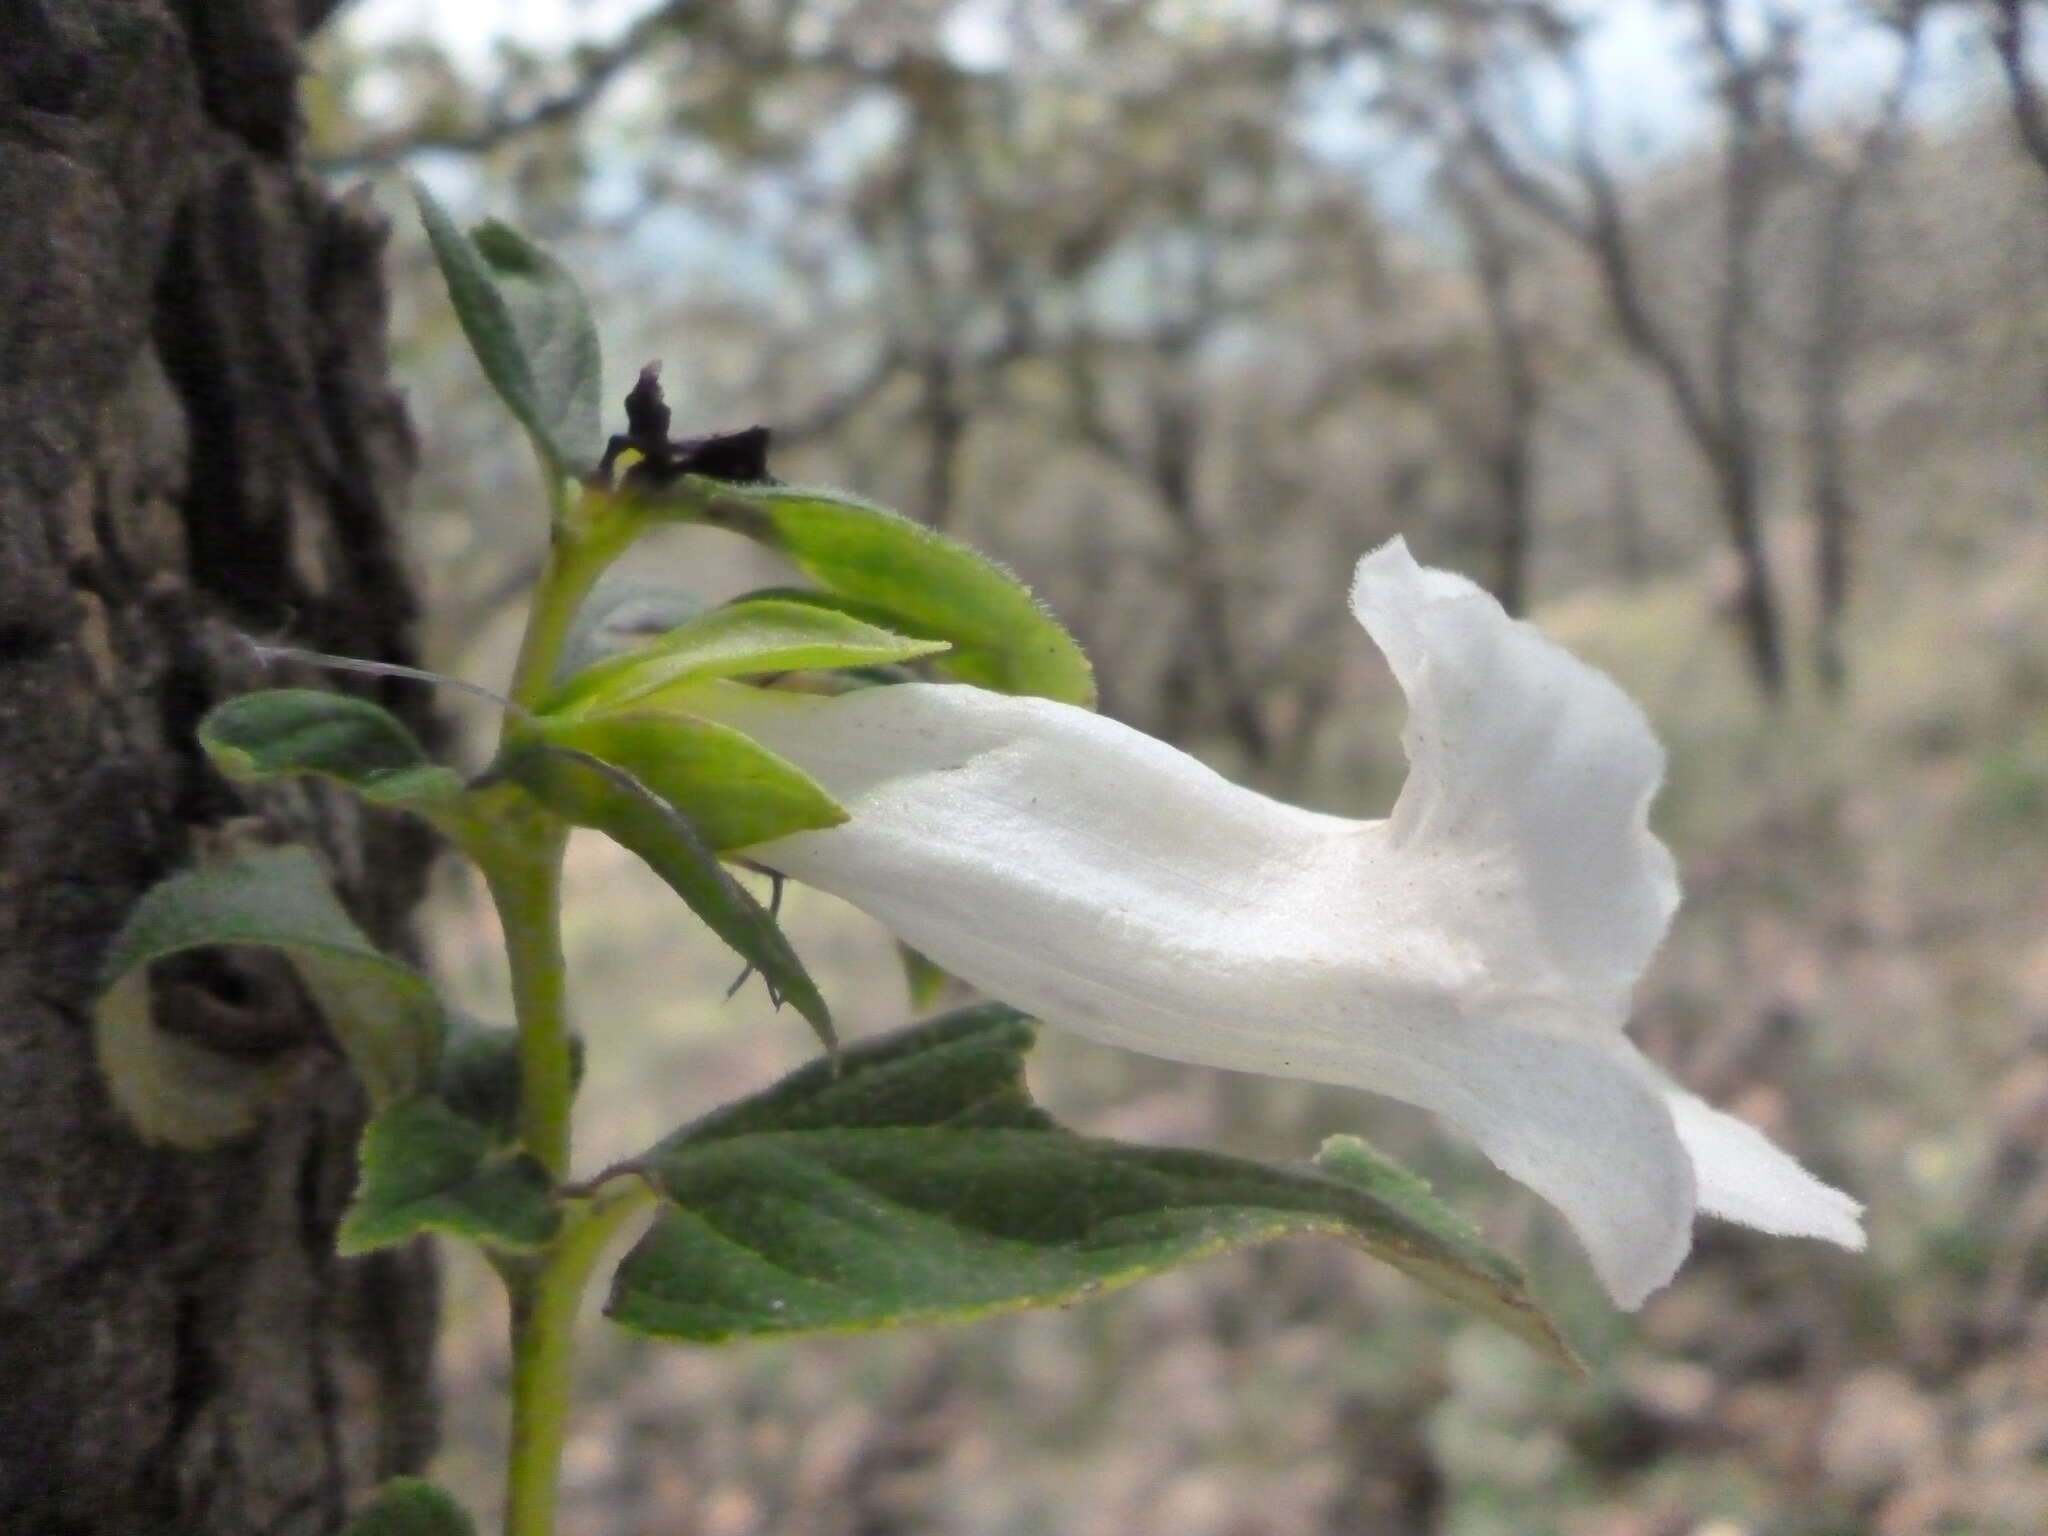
544 1307
576 558
522 863
525 884
527 890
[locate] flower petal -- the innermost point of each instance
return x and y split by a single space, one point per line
1743 1177
1472 955
1518 751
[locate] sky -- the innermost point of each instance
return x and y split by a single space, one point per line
1637 53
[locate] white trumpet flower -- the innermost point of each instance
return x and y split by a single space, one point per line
1473 953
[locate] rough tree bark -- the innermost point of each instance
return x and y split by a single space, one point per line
196 437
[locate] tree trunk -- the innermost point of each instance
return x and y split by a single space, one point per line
196 438
1756 603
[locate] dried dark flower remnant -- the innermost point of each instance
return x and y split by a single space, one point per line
740 457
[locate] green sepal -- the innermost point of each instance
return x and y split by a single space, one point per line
382 1013
284 731
425 1168
751 635
734 791
925 982
531 330
411 1506
899 574
588 791
920 1184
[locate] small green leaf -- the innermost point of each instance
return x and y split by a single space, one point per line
920 1184
479 1077
590 792
1446 1262
424 1168
965 1068
749 636
284 731
1358 1162
620 615
530 328
383 1014
734 791
901 575
559 338
411 1506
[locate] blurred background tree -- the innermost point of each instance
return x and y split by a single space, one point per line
1714 333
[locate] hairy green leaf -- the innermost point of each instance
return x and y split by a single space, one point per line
590 792
531 330
425 1168
284 731
963 1069
901 575
620 615
411 1506
920 1184
734 791
752 635
383 1013
559 339
1438 1264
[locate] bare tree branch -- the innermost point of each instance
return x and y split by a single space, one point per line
1831 344
597 70
1510 452
1712 404
2029 113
